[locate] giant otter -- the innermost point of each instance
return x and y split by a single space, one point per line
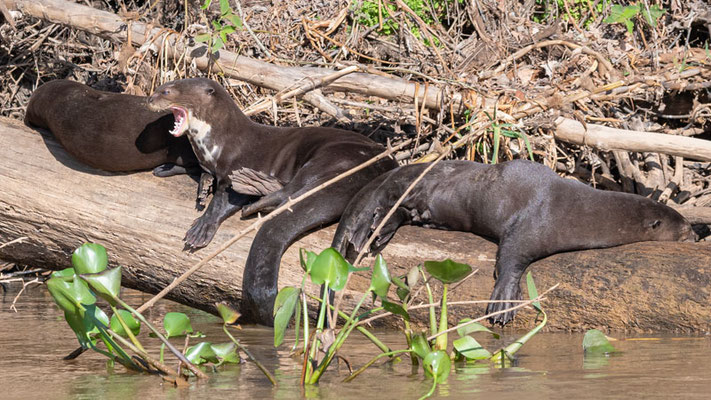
285 162
109 131
526 207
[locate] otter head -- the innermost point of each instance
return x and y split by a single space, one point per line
662 223
192 101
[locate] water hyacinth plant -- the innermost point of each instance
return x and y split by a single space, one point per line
429 349
75 290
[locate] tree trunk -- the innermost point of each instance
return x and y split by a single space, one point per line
58 203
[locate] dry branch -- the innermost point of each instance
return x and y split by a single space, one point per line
260 73
606 138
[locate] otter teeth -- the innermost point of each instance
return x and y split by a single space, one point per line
176 127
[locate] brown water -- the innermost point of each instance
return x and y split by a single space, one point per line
550 366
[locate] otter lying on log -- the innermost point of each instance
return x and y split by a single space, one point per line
529 210
290 161
109 131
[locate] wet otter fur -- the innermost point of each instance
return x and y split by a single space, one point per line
529 210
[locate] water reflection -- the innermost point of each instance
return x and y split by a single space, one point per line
33 340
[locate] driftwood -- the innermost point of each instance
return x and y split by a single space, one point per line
58 204
606 138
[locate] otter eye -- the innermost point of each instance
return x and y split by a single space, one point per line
165 92
210 91
655 224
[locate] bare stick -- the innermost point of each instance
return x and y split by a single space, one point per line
523 304
18 240
310 84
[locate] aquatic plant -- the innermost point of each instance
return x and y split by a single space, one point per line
428 349
75 290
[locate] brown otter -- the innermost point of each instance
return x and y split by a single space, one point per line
286 161
109 131
526 207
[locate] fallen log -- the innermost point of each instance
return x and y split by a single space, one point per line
58 204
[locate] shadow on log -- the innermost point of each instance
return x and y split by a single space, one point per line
59 204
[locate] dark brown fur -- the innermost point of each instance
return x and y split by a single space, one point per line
109 131
529 210
287 161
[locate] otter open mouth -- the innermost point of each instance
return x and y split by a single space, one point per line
181 119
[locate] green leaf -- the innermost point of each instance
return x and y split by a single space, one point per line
226 30
65 273
420 345
307 259
447 271
176 324
216 26
330 268
380 281
89 258
217 44
396 309
223 36
206 4
70 294
133 324
470 349
284 306
652 16
236 20
204 37
226 352
61 293
228 314
619 13
437 365
533 292
201 353
106 284
473 328
224 7
595 341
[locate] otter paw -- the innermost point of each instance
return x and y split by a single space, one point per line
501 295
200 234
168 169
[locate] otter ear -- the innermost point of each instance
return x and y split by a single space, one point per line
655 224
210 91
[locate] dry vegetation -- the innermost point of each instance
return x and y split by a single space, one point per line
506 70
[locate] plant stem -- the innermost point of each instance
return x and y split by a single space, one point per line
382 346
340 339
170 347
374 359
432 389
251 357
433 317
127 329
441 341
159 366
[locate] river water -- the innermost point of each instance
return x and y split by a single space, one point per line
550 366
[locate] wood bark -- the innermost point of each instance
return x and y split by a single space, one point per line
58 204
606 138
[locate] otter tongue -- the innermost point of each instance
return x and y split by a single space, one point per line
180 117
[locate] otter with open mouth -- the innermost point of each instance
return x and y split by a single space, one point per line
529 210
271 164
